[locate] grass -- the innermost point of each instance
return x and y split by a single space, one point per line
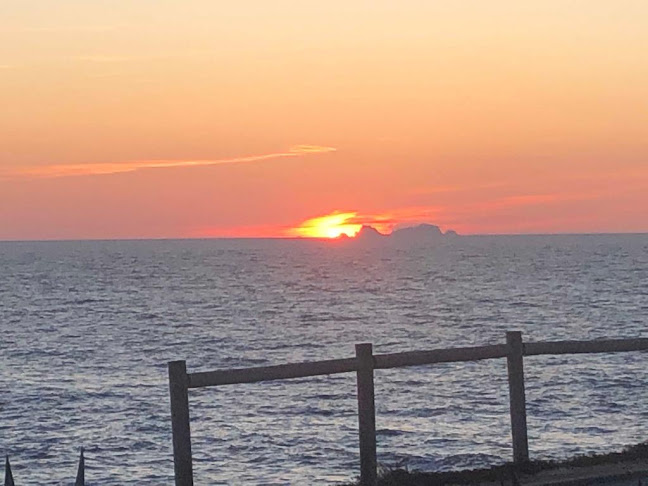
505 472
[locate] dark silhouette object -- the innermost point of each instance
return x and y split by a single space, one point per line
422 234
180 423
8 476
80 477
369 233
515 365
418 234
366 415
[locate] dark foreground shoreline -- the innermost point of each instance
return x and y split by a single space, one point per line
613 468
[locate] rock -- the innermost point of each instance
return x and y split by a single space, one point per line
369 233
420 233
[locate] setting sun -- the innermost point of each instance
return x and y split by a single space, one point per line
330 226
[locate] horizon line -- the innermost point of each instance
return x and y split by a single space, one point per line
298 238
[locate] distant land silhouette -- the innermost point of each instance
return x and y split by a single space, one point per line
420 234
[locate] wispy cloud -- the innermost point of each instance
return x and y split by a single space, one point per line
106 168
110 59
537 200
60 28
432 191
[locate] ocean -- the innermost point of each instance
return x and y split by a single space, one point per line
87 329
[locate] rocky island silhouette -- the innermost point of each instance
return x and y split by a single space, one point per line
411 235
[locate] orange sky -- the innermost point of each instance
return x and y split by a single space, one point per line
138 119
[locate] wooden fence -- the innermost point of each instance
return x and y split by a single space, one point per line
364 364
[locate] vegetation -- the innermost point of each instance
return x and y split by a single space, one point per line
505 472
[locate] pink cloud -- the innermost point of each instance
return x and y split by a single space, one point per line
106 168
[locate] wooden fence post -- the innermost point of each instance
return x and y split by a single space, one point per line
178 388
515 363
366 415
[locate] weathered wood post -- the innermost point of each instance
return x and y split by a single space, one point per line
179 390
515 363
366 415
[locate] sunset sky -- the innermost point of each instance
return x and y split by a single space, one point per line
137 119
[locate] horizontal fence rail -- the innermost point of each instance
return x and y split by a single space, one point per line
581 347
455 355
269 373
410 358
364 365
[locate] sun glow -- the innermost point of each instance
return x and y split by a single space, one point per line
330 226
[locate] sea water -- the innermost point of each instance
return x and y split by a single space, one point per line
87 329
